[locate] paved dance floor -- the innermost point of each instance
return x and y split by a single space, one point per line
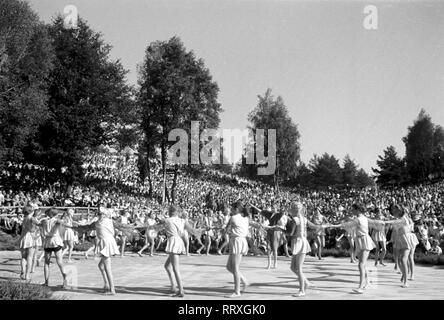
205 277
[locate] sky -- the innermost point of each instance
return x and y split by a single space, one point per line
350 90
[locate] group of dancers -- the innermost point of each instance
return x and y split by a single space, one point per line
237 224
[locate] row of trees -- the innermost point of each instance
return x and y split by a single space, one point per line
321 171
62 95
424 157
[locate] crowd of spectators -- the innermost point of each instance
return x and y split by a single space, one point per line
205 195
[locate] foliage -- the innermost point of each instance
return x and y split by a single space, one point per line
391 168
175 89
17 290
419 147
88 96
326 170
424 158
8 242
25 62
272 113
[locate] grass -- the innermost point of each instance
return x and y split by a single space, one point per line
17 290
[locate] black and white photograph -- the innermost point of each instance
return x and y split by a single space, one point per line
227 151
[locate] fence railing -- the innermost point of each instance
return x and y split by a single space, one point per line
79 212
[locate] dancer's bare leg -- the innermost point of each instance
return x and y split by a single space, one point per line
363 276
377 249
59 261
233 266
174 258
351 241
46 267
207 244
226 240
24 253
403 261
109 274
169 270
145 246
105 279
122 247
383 253
411 261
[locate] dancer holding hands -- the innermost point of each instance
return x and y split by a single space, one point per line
299 244
175 227
237 228
363 241
106 246
28 241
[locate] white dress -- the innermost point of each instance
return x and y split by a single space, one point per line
174 228
106 243
29 236
239 231
363 241
150 231
405 238
378 233
51 233
299 242
68 235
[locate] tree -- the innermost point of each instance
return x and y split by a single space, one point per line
391 168
362 179
25 61
87 96
146 156
175 89
326 170
304 176
271 113
349 171
438 151
419 147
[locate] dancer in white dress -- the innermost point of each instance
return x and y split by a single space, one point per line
299 244
106 245
150 235
319 219
224 235
28 241
363 241
350 234
380 240
406 242
68 235
53 242
174 228
238 229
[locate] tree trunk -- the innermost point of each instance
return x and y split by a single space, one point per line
148 166
164 172
173 188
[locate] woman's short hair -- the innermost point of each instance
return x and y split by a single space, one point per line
173 209
52 212
358 206
237 206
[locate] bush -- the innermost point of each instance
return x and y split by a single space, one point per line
432 259
420 257
17 290
8 242
83 246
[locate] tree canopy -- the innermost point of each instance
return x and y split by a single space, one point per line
272 113
26 59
